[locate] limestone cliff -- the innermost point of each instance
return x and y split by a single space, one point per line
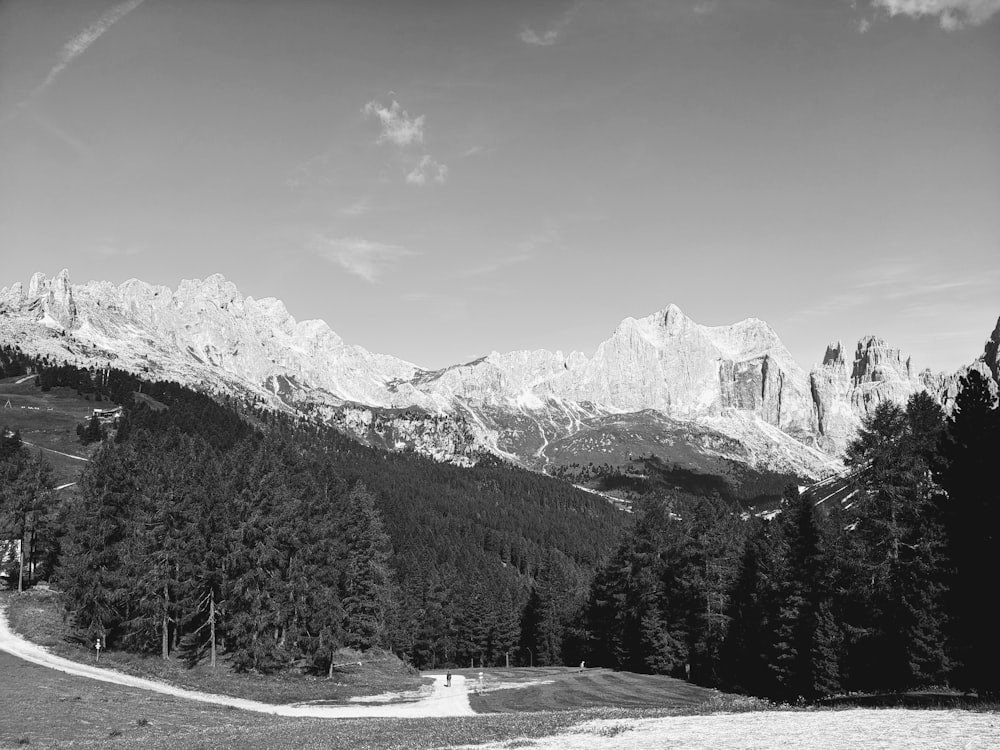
736 382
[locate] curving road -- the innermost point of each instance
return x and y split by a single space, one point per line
434 700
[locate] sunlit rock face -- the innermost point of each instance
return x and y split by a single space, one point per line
736 387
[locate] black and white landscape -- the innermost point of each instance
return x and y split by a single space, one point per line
450 373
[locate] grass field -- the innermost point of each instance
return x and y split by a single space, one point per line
548 707
568 688
48 420
53 708
38 616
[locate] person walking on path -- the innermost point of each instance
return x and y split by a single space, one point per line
448 679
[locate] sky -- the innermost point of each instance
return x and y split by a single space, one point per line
437 179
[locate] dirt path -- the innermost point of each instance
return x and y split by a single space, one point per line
434 700
53 450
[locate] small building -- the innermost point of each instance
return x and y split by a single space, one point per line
108 416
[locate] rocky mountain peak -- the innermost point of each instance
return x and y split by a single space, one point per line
672 317
739 378
991 353
875 361
52 299
834 356
214 289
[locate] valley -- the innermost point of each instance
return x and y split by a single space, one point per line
273 497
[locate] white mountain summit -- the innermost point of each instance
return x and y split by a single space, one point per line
735 390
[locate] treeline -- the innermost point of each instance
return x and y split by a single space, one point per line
739 485
279 541
199 530
173 544
27 512
884 592
13 361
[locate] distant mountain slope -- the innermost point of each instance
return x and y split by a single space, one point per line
732 392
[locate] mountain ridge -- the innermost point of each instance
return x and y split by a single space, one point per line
737 380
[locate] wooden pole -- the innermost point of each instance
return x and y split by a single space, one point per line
20 565
211 623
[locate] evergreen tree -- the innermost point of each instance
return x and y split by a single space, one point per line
747 651
806 636
366 585
25 505
901 544
96 547
972 521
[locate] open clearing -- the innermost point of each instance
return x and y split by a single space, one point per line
47 420
48 708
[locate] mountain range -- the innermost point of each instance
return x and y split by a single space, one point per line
695 397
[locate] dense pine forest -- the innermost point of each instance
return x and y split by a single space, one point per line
199 529
202 530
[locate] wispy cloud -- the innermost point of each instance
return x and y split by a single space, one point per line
360 207
522 251
79 44
903 283
396 124
705 7
951 14
362 257
863 25
72 50
427 170
551 35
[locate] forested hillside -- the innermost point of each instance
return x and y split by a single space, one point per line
198 530
881 593
280 541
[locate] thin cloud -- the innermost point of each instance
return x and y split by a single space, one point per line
705 7
79 44
903 284
523 251
360 207
552 35
362 257
396 124
863 25
427 170
951 14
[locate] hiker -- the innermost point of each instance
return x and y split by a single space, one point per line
448 679
583 665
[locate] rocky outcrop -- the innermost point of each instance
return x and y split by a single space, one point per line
991 352
830 386
987 364
740 378
52 299
880 373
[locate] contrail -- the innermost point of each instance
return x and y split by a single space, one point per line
74 48
79 44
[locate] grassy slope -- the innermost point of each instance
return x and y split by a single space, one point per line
48 420
53 708
38 616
